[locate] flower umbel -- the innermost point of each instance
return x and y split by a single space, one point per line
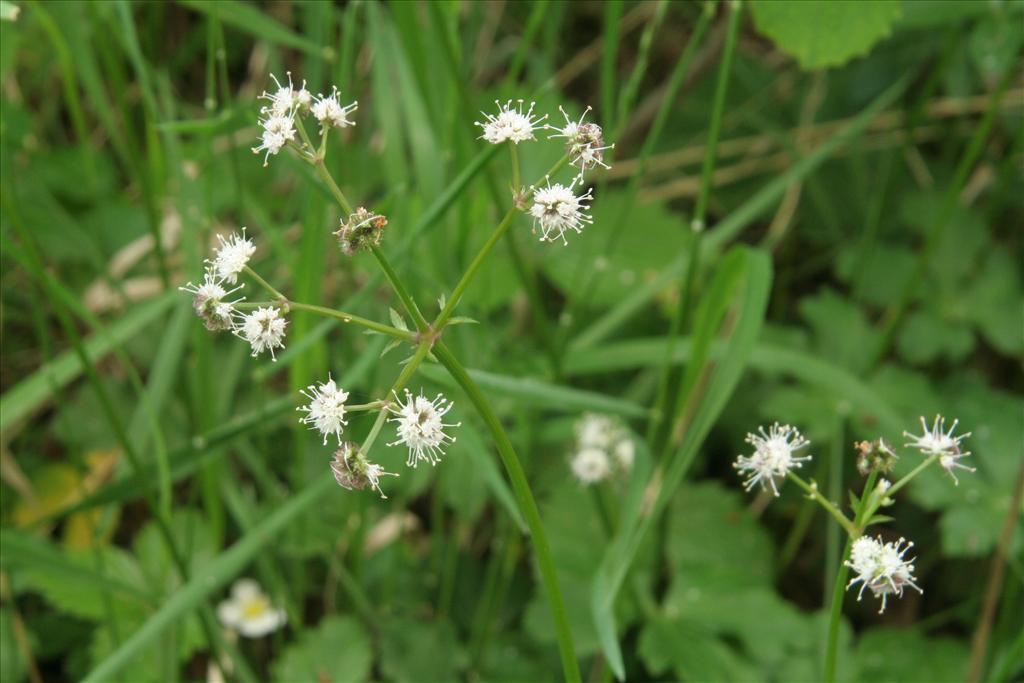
209 304
354 472
556 208
584 142
278 131
421 427
329 112
591 465
773 456
249 611
881 567
286 98
510 123
263 329
363 230
938 441
326 409
232 256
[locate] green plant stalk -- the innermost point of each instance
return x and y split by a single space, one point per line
346 317
839 587
514 153
478 261
814 494
665 404
894 315
407 301
527 504
265 285
876 501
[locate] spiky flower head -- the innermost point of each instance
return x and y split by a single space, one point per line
286 99
510 124
557 208
773 456
329 111
232 256
277 130
591 465
584 142
249 611
421 427
209 302
938 441
326 409
881 567
354 472
362 230
875 455
263 329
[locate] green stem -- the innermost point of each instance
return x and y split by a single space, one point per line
407 301
876 501
527 505
839 588
266 285
665 403
478 261
815 495
355 320
514 151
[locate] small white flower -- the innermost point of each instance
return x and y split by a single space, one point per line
329 112
591 465
233 255
278 131
596 431
584 141
286 98
624 454
942 443
353 471
881 567
249 611
421 427
326 409
208 300
773 456
510 123
263 329
556 208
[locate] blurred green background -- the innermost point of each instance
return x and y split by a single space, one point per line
872 150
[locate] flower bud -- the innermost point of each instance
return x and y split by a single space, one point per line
875 455
363 230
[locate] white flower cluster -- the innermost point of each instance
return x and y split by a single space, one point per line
602 446
264 327
277 122
556 208
421 427
938 441
881 567
773 456
249 612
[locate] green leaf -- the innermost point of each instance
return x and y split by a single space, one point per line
903 654
825 33
691 653
748 297
32 392
337 649
253 20
419 651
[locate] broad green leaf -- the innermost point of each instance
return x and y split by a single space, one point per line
825 33
904 654
420 651
338 649
691 653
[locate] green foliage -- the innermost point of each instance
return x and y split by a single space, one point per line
825 33
861 267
